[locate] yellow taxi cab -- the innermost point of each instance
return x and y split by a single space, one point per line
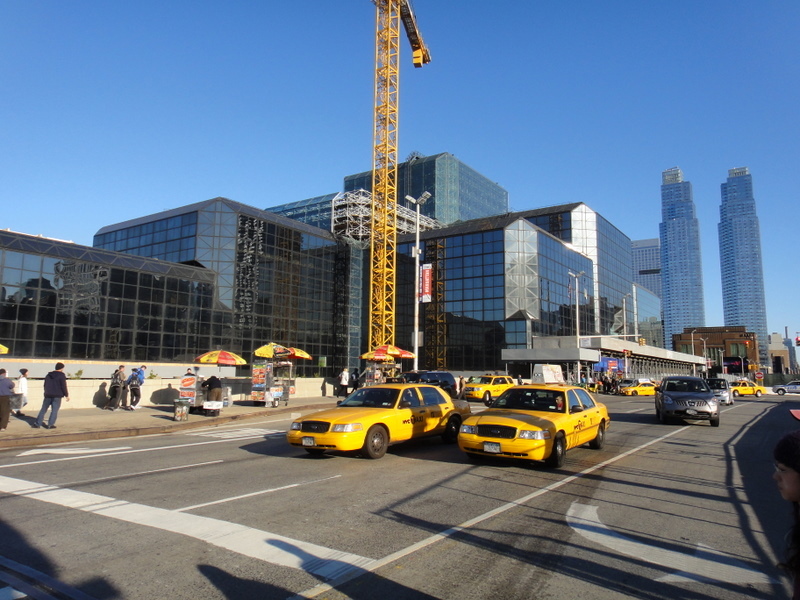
488 387
536 422
747 388
372 418
641 389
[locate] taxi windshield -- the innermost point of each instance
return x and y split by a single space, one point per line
371 398
531 399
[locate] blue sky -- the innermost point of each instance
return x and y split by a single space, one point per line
113 110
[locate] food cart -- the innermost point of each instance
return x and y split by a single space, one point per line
273 377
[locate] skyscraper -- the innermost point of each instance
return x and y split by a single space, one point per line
646 256
681 265
740 258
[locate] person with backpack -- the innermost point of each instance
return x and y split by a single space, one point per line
115 389
134 384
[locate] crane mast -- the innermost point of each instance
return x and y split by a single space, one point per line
383 241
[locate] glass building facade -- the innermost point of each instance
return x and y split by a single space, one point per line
497 283
68 302
682 297
458 192
742 272
646 256
275 279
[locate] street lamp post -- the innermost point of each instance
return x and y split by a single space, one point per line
705 360
694 368
577 276
625 316
418 202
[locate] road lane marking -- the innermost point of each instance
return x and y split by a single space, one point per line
150 472
71 450
233 434
706 565
251 494
118 453
424 543
320 561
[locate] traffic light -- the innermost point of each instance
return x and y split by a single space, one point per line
797 341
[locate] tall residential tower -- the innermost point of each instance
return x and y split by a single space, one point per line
740 258
681 266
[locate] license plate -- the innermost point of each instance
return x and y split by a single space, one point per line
493 447
691 411
309 441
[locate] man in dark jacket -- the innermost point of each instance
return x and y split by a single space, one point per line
55 388
214 386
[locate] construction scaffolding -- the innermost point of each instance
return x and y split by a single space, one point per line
351 218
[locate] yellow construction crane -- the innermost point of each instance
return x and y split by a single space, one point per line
383 242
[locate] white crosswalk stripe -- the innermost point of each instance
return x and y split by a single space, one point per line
237 434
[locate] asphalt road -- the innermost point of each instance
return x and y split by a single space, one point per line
663 511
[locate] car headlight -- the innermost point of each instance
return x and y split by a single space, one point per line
666 400
538 434
347 427
712 403
296 426
469 429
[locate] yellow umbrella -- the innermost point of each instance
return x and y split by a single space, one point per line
220 357
272 350
3 349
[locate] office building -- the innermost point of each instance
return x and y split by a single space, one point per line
458 192
681 265
274 280
743 301
646 255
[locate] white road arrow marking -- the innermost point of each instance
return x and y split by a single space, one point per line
705 565
71 450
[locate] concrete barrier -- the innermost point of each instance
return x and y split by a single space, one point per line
86 393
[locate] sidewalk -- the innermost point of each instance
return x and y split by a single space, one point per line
80 424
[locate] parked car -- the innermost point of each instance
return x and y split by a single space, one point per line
684 397
372 418
487 388
745 387
721 390
793 387
442 379
536 422
626 383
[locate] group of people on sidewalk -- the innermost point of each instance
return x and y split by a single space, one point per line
119 383
55 389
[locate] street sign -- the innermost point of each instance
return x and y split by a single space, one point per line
759 375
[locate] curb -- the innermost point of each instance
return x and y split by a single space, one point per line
169 427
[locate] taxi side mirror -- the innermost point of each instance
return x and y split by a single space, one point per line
404 404
575 409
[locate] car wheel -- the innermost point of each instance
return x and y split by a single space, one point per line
315 451
735 393
758 393
781 392
487 399
558 453
450 435
600 439
376 442
715 421
634 393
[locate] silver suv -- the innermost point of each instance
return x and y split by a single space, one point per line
721 390
686 398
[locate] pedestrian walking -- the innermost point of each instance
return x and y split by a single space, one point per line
344 381
6 389
22 393
460 387
354 382
55 388
787 475
115 388
134 389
